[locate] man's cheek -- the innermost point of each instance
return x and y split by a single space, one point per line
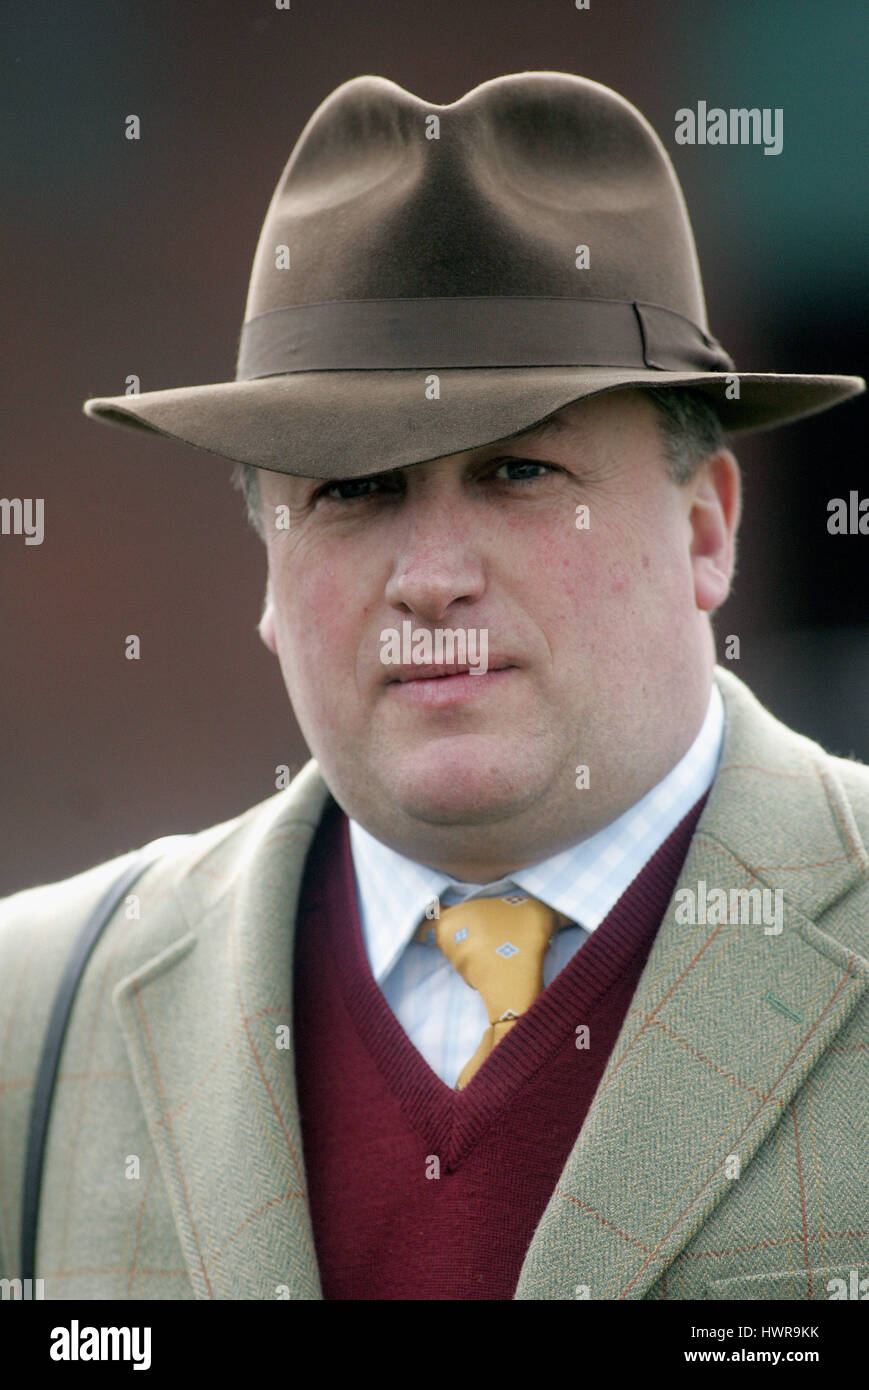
320 645
312 602
578 577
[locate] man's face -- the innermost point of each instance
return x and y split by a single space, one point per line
599 648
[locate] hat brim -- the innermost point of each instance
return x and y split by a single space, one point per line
346 424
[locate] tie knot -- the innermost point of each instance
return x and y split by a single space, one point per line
496 943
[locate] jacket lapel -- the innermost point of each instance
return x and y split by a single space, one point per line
727 1022
208 1027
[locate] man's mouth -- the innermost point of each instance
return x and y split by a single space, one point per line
445 669
447 687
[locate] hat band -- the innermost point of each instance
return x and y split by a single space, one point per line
473 331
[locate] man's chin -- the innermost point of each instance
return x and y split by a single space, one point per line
464 791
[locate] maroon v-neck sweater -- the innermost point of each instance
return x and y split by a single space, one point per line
418 1191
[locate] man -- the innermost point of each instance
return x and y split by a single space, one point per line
546 977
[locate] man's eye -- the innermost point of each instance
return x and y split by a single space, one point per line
521 470
358 489
349 489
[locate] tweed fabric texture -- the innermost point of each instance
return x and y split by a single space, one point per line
738 1045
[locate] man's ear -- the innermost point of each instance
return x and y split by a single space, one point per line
714 513
266 627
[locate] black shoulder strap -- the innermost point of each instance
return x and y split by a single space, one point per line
45 1078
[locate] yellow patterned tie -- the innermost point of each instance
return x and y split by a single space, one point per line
497 945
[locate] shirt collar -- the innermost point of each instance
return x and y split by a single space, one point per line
584 881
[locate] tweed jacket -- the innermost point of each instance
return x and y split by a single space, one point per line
725 1152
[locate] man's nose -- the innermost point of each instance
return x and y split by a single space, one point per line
438 563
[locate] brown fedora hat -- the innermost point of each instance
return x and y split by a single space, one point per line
430 279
